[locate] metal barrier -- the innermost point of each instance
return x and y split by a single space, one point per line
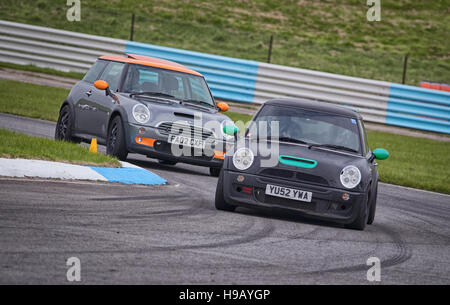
46 47
236 79
229 78
418 108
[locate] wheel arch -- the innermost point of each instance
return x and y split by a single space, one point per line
123 116
72 111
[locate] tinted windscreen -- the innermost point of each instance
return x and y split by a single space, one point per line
310 127
182 86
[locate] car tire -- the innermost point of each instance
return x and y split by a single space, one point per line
373 207
167 162
360 222
214 171
220 202
63 129
115 142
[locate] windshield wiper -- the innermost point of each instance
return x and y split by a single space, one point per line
291 140
284 139
150 93
190 101
340 147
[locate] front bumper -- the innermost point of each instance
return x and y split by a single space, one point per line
326 204
161 149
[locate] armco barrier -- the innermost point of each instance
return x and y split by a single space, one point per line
229 78
236 79
418 108
57 49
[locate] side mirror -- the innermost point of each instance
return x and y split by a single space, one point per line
231 130
102 85
381 153
223 107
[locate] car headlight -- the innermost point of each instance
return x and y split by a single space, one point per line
350 176
141 113
243 158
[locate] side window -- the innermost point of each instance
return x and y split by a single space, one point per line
112 74
93 73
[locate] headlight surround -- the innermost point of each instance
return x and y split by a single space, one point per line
243 158
141 113
350 176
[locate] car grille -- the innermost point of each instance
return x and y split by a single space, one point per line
167 128
293 176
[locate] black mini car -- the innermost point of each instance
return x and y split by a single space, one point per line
323 166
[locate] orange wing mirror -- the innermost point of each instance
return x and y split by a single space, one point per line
223 106
101 85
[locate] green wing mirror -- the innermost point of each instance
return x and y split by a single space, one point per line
231 130
381 154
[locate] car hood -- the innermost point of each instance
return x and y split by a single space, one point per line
168 111
316 165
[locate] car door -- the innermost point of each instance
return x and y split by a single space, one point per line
102 104
83 103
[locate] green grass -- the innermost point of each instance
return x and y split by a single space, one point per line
30 100
414 162
33 68
17 145
328 35
235 116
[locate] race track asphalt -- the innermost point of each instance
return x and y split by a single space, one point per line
173 235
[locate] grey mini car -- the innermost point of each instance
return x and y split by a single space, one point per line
146 105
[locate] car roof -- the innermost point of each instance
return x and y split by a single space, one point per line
315 106
152 62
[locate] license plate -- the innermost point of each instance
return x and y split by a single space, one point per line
182 140
289 193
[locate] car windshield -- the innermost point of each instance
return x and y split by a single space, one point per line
164 83
308 127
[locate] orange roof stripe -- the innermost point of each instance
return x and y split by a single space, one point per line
152 62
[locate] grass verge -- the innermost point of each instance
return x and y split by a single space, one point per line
414 162
30 100
18 145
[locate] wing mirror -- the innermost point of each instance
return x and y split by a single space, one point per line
381 154
102 85
231 130
223 107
